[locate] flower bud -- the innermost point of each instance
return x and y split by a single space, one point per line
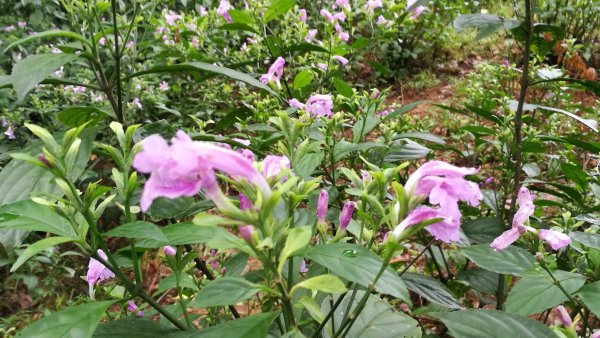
322 206
563 315
44 160
169 250
346 215
246 232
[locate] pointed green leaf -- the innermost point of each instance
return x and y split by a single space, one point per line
32 70
37 247
324 283
511 261
138 230
225 291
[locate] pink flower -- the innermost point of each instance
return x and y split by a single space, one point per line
341 59
129 44
171 16
343 3
346 215
340 16
322 203
505 63
102 41
506 239
22 24
223 10
296 104
344 36
328 16
371 5
415 12
310 35
445 186
97 272
9 28
273 165
418 215
382 21
319 105
202 11
275 72
9 133
246 232
526 209
169 250
563 315
322 66
137 103
303 268
303 16
163 86
245 202
596 334
383 113
557 240
185 167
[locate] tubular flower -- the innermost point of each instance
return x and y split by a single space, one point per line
445 186
371 5
322 205
346 215
319 105
557 240
341 59
303 15
275 72
327 15
97 272
169 250
311 35
223 10
296 104
246 232
273 165
131 307
563 315
185 167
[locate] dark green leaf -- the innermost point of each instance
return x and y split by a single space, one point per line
255 326
37 247
224 291
184 233
420 136
588 239
479 279
363 126
483 229
342 87
277 8
303 79
185 281
492 324
408 151
131 327
234 265
182 207
536 291
356 263
238 27
590 296
74 321
511 261
77 116
305 47
240 16
30 71
431 289
31 216
403 109
307 164
47 34
138 230
344 148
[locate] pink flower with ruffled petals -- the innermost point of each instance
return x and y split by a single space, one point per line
319 105
97 272
275 72
185 167
557 240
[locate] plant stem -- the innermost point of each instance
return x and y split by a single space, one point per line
330 314
117 56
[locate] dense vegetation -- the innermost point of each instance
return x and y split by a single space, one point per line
293 168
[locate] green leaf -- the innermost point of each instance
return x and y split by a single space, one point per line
30 216
47 34
239 16
207 67
307 164
588 239
182 207
238 27
536 291
305 47
408 151
235 264
324 283
224 291
342 87
255 326
297 239
590 296
420 136
483 229
377 320
77 116
75 321
138 230
356 263
588 123
277 8
37 247
344 148
403 109
430 289
133 326
492 324
170 282
184 233
479 279
30 71
485 23
363 126
303 79
511 261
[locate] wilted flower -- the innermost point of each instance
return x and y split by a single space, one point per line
310 35
319 105
169 250
223 10
557 240
275 72
563 315
322 203
346 215
340 59
163 85
170 17
303 16
371 5
185 167
272 165
97 272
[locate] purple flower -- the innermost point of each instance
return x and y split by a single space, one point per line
311 35
97 272
272 165
557 240
131 307
102 41
340 16
10 133
302 15
202 11
246 232
319 105
223 10
506 238
366 178
445 186
505 63
344 36
22 24
418 215
382 21
341 59
596 334
371 5
343 3
526 209
322 203
245 202
322 66
383 113
171 16
137 103
563 315
415 12
303 268
163 86
275 72
214 264
328 16
346 215
185 167
296 104
3 121
9 28
169 250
